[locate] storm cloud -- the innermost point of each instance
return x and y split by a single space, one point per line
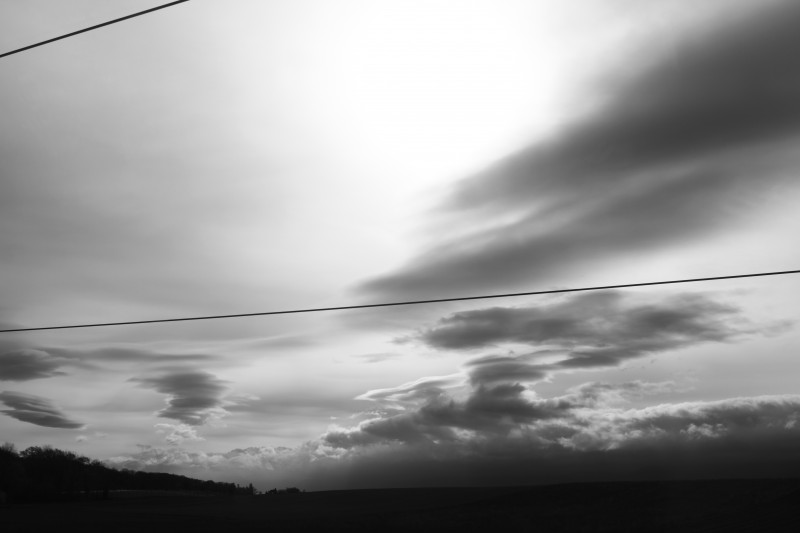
194 396
671 156
36 410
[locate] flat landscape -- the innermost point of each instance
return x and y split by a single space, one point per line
685 506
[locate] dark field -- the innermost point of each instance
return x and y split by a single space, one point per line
754 505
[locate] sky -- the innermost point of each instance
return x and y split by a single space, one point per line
256 156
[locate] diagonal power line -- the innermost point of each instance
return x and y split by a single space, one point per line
412 302
110 22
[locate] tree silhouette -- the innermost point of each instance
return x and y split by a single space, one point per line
42 473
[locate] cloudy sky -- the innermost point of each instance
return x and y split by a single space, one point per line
267 155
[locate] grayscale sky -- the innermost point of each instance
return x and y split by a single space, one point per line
219 158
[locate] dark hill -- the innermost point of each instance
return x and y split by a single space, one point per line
681 506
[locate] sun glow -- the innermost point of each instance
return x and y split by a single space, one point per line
431 90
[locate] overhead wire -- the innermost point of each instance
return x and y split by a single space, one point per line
90 28
409 302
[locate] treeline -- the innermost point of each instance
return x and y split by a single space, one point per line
43 473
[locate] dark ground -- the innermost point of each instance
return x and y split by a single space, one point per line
684 506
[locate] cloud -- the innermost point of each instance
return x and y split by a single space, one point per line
93 436
490 411
21 362
123 354
598 318
26 363
488 420
586 331
494 369
422 388
35 410
487 425
582 436
495 410
659 425
293 411
598 392
668 159
580 428
149 457
589 330
282 341
176 434
267 466
194 397
378 357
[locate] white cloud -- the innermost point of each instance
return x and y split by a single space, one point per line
176 434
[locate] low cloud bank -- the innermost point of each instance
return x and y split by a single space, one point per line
574 438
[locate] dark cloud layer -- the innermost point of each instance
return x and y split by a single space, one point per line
35 410
599 319
668 159
26 364
493 369
580 433
590 330
193 396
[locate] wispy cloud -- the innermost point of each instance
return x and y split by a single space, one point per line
378 357
36 410
420 389
669 158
